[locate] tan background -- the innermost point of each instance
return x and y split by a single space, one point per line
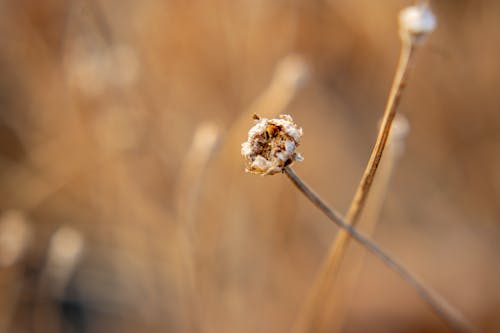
99 103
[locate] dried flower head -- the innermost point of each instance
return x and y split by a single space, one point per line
415 23
271 145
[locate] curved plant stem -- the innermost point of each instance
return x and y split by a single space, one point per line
455 320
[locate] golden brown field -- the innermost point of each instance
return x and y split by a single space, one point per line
124 204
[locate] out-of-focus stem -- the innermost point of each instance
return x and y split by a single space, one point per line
188 187
193 168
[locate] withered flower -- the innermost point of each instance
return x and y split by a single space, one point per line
271 145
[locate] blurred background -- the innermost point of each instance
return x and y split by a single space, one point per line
124 205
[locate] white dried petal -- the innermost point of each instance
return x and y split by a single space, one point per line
271 145
416 22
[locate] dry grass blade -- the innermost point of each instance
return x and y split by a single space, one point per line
333 288
326 278
399 82
342 287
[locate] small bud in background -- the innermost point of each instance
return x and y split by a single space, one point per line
64 253
15 235
399 132
271 145
415 23
292 71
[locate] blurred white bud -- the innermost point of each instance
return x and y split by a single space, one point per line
271 145
415 23
92 71
66 246
292 71
15 234
64 253
399 132
205 137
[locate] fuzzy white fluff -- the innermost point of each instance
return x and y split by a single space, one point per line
280 150
416 21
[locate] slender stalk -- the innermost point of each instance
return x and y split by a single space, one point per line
453 318
399 82
326 278
339 288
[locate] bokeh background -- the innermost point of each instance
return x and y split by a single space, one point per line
124 205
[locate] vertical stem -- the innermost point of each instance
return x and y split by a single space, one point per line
455 320
346 269
326 277
398 84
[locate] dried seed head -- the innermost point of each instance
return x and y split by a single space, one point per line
415 23
271 145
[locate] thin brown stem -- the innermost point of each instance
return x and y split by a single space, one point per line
327 276
455 320
399 82
336 291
